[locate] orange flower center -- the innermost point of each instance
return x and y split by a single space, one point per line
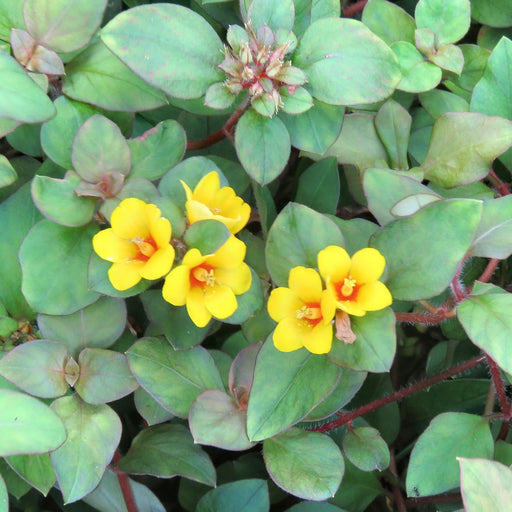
202 275
146 248
310 313
346 289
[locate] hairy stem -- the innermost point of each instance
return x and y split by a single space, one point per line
399 395
124 483
426 318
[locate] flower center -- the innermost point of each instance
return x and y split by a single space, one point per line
311 314
203 276
346 289
146 247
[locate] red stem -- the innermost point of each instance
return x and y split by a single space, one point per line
399 395
221 134
354 9
500 186
439 498
505 405
489 270
425 318
124 483
397 494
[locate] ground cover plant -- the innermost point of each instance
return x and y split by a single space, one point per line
255 255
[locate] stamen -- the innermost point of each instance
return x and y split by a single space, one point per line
204 276
348 286
308 313
145 248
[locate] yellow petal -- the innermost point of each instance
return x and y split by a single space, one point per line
128 220
197 211
193 258
306 284
333 263
230 254
328 306
351 307
289 335
207 188
238 278
125 275
220 301
319 340
367 265
160 230
177 286
374 296
188 192
110 247
283 303
159 264
196 308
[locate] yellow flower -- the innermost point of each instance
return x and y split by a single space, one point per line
209 201
208 285
304 312
354 282
138 244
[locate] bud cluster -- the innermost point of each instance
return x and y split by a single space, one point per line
255 62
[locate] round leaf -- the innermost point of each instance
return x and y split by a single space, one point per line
241 496
276 15
8 174
366 449
389 21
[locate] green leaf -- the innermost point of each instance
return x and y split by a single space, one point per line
305 380
67 25
346 64
168 46
312 506
384 188
449 19
4 497
273 14
319 186
241 496
298 102
175 378
37 367
104 376
152 412
17 215
21 99
27 139
175 322
248 303
216 420
366 449
12 17
375 345
166 451
157 150
448 57
433 467
8 174
316 460
389 21
316 129
446 228
493 237
37 470
98 77
100 149
28 425
57 200
437 102
485 485
46 287
206 236
98 325
57 134
463 145
262 145
496 14
94 432
418 75
295 239
485 320
356 232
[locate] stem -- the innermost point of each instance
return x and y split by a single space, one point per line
224 132
397 495
502 397
500 186
354 9
439 498
124 483
426 318
457 290
489 270
399 395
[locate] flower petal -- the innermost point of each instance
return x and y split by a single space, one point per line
367 265
196 308
193 258
160 230
374 296
197 211
283 303
230 254
319 340
333 263
125 275
289 335
238 278
159 264
110 247
220 301
177 286
306 284
128 220
207 188
351 307
188 192
328 306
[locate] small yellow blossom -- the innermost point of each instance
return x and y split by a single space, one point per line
138 244
353 282
209 201
304 312
208 285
